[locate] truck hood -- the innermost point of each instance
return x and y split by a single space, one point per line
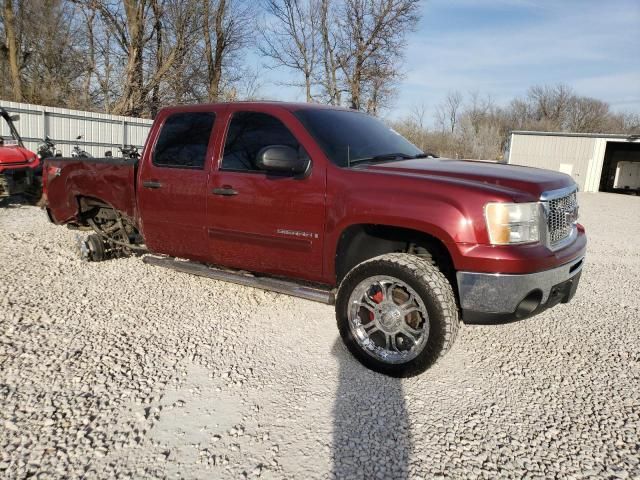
509 179
13 154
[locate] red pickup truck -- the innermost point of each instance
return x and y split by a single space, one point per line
332 205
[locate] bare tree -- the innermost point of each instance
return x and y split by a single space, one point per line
418 115
89 15
214 55
413 127
550 104
133 34
158 32
626 122
372 38
11 49
558 108
105 70
249 84
519 112
479 110
586 114
379 90
48 67
447 112
352 45
482 130
329 80
291 38
232 27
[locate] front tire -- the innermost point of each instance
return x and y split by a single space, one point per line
397 314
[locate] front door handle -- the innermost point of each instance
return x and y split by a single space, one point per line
226 191
151 184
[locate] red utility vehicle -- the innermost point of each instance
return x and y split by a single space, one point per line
19 167
331 205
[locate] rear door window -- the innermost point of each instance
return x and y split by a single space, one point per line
184 139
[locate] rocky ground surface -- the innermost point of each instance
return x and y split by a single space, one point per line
119 369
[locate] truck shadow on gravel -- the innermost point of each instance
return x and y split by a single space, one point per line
371 435
19 201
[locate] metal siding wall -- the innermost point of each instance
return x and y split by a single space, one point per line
592 183
547 151
101 132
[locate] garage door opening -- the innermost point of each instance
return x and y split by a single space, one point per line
621 168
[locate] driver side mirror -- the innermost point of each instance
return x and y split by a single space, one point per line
282 159
15 118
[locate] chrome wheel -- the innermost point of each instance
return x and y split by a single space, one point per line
388 319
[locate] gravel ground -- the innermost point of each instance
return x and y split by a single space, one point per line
119 369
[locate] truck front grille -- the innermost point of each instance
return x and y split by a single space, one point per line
561 216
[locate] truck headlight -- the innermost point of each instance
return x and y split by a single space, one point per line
509 223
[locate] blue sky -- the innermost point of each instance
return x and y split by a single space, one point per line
502 47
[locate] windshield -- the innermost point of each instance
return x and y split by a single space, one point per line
348 137
7 128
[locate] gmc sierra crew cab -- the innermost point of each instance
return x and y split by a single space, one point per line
332 205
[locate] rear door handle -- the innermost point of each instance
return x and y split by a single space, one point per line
226 191
151 184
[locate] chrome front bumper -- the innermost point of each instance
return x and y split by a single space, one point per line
506 294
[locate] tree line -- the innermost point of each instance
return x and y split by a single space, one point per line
475 126
131 57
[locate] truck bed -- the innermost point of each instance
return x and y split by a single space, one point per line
112 180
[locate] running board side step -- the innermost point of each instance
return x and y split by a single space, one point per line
265 283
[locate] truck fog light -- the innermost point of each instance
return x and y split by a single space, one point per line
512 223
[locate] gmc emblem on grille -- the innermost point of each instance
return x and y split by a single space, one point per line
571 216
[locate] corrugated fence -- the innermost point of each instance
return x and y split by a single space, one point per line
101 132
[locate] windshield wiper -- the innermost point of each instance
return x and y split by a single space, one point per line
384 156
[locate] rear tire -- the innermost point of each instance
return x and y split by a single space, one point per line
397 314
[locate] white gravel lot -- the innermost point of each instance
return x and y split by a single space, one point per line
119 369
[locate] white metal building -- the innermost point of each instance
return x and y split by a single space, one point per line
101 132
597 162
